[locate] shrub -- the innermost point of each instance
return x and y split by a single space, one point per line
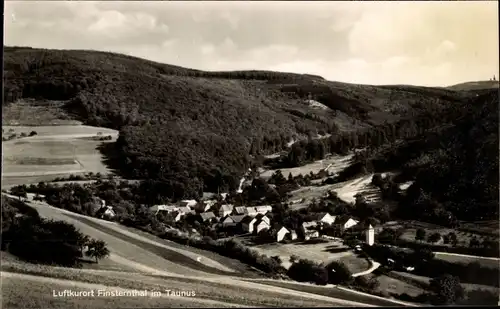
447 289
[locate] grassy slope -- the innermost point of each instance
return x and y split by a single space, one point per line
230 111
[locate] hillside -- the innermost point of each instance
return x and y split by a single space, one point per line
195 130
479 85
453 167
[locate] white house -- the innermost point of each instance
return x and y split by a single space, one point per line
306 226
293 235
167 208
223 196
188 203
247 224
263 218
370 235
251 211
263 209
260 225
324 217
279 232
350 223
232 220
225 210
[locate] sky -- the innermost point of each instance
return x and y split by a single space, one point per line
421 43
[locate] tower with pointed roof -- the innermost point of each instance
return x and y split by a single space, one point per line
370 235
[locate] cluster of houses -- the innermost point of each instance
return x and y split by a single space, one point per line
251 220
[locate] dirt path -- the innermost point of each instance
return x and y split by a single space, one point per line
469 256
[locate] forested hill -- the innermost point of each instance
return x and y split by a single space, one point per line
194 130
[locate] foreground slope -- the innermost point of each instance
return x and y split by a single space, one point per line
153 271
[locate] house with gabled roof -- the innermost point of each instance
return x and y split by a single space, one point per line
232 220
263 218
247 224
346 222
225 210
278 232
261 225
324 217
205 216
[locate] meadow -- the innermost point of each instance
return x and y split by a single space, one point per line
323 252
53 152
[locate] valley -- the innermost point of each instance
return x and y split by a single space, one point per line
251 188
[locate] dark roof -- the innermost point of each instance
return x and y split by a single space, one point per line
207 215
247 220
237 218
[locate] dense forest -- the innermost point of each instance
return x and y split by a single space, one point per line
191 131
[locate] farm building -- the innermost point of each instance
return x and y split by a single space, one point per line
188 203
292 235
261 225
205 216
225 210
278 232
232 220
167 208
247 224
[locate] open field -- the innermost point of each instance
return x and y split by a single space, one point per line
345 191
55 151
486 262
338 163
319 252
467 286
391 285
